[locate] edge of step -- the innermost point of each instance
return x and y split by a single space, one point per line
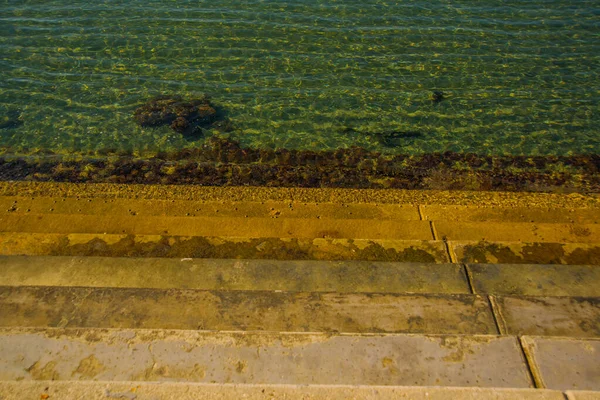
198 391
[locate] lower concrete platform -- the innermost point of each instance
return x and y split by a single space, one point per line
198 391
80 307
565 363
261 358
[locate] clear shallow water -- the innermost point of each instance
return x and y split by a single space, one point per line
519 77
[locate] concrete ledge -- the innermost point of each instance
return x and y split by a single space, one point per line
198 391
565 363
549 316
535 280
490 252
37 244
388 196
231 274
244 310
259 358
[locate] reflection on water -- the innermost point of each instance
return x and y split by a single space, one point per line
489 77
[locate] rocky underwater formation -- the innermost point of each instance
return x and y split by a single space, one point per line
224 162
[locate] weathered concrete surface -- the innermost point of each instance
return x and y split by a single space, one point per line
478 213
244 310
192 356
225 208
518 232
198 391
421 251
326 195
217 226
486 252
231 274
549 316
582 395
564 363
535 280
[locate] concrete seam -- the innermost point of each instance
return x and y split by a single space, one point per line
450 253
500 323
532 367
420 211
433 231
469 277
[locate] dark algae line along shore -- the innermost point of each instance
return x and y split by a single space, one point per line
223 162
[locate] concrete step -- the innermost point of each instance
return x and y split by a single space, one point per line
48 306
224 208
89 390
302 275
262 358
232 274
244 310
422 251
298 359
38 244
356 228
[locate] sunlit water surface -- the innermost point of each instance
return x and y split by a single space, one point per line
518 76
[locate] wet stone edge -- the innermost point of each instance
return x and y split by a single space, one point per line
223 162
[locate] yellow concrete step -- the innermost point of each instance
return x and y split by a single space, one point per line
232 274
244 310
262 358
217 226
424 251
543 280
165 390
217 208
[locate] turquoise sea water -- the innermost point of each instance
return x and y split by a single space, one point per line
518 77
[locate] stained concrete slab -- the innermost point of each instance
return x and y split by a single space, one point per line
107 245
582 395
217 226
566 363
499 213
244 310
518 232
232 274
380 196
511 252
258 358
535 280
224 208
549 316
198 391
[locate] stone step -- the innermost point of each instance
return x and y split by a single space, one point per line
38 244
244 310
232 274
302 275
255 358
206 391
224 208
262 358
422 251
49 306
301 228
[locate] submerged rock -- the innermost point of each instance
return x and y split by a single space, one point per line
437 96
11 119
183 116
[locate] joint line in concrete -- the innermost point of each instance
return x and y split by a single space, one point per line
532 368
468 275
500 325
420 210
433 231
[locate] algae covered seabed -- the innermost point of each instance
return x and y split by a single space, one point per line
423 94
